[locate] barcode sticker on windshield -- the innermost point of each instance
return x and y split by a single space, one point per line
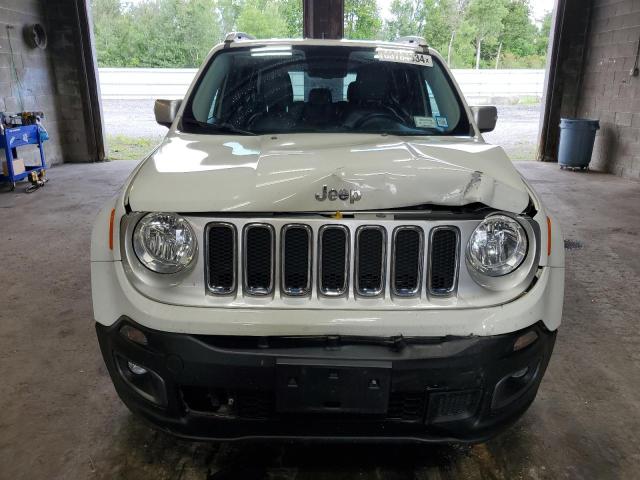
425 122
442 122
403 56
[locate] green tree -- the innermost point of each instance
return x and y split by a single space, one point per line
407 18
262 19
111 28
362 19
542 39
519 34
228 13
291 11
441 21
485 18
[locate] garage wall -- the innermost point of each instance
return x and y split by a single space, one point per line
596 42
48 80
609 92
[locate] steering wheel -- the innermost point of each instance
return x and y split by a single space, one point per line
375 115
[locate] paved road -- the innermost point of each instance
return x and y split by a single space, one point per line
517 125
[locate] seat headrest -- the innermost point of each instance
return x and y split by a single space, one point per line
372 84
320 96
276 90
351 91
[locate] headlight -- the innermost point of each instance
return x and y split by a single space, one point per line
497 246
164 242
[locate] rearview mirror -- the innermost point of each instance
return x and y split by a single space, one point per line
166 111
485 117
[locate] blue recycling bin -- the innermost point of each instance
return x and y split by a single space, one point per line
577 137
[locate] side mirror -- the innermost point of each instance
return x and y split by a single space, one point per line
166 111
485 117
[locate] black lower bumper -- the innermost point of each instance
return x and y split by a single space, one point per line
462 389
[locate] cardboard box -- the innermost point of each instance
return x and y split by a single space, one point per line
18 167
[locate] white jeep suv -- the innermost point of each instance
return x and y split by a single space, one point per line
323 245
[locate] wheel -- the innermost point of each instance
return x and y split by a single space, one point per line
13 186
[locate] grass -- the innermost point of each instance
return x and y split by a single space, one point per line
529 101
122 147
522 151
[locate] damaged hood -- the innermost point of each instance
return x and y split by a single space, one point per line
286 173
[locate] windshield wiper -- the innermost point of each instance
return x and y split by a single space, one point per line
218 127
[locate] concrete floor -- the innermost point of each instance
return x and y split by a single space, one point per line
60 417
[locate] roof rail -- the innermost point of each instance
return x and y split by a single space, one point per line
413 40
237 36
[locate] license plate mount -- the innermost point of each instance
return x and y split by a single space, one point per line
332 386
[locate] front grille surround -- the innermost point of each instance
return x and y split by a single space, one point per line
288 290
231 287
190 287
405 292
359 288
449 291
267 289
334 292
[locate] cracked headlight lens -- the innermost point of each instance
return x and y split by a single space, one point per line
497 246
164 242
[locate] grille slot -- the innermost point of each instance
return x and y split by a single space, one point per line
296 259
259 241
407 261
256 259
443 260
221 258
370 260
333 264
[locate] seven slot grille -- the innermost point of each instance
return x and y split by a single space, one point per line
298 259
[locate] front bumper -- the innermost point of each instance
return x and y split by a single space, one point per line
463 389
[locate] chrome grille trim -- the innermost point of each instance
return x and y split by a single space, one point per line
383 263
189 288
216 289
283 235
454 285
334 292
416 291
259 291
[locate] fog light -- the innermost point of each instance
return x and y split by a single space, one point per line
514 386
144 381
133 335
518 374
525 340
136 369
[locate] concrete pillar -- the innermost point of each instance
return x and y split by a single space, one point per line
565 68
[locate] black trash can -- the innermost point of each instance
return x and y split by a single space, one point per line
577 137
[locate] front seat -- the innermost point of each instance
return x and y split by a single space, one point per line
368 94
319 110
275 97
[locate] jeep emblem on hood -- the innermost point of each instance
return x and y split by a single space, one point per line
342 194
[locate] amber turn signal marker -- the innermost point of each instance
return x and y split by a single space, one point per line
111 218
548 236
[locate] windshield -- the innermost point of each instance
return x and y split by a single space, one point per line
305 89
